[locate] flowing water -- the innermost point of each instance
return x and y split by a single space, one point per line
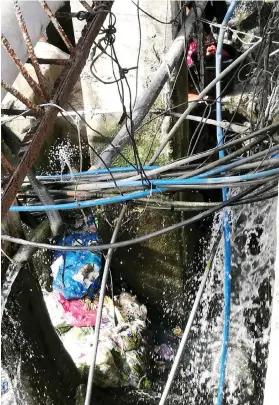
253 254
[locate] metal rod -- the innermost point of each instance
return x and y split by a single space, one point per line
30 49
29 104
34 86
222 124
100 309
50 61
6 164
190 320
57 25
70 76
86 5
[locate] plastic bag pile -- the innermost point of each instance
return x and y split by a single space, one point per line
73 304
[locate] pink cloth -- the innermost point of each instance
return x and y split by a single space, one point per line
78 314
209 51
192 47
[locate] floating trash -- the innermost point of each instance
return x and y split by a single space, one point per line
77 274
121 357
177 332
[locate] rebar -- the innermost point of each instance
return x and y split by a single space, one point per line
6 164
100 308
57 25
30 49
45 124
34 86
50 61
29 104
86 5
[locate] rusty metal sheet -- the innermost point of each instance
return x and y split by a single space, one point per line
56 24
66 83
21 97
34 86
30 49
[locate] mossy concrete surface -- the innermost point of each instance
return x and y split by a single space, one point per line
153 269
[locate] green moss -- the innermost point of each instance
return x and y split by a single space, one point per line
147 384
108 131
147 140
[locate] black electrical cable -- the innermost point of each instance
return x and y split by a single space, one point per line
172 21
189 207
110 39
139 52
200 124
238 152
131 131
94 150
139 239
107 139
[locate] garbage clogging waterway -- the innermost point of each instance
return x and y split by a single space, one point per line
253 252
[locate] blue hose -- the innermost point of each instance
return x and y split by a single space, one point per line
216 170
69 176
142 194
86 204
226 218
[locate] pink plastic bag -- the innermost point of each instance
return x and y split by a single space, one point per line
210 50
78 314
192 47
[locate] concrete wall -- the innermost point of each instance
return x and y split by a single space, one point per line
155 38
152 270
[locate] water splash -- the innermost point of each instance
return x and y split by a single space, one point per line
253 254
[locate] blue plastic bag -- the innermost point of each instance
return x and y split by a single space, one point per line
78 273
4 387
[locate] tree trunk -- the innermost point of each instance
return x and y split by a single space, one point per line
41 370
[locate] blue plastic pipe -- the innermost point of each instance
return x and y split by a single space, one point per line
226 218
140 194
69 176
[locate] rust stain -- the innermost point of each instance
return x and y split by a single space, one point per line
6 164
50 61
30 49
34 86
57 25
86 5
29 104
66 82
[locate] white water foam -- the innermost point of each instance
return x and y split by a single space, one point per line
253 253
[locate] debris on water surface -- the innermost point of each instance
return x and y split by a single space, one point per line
121 354
7 396
177 332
